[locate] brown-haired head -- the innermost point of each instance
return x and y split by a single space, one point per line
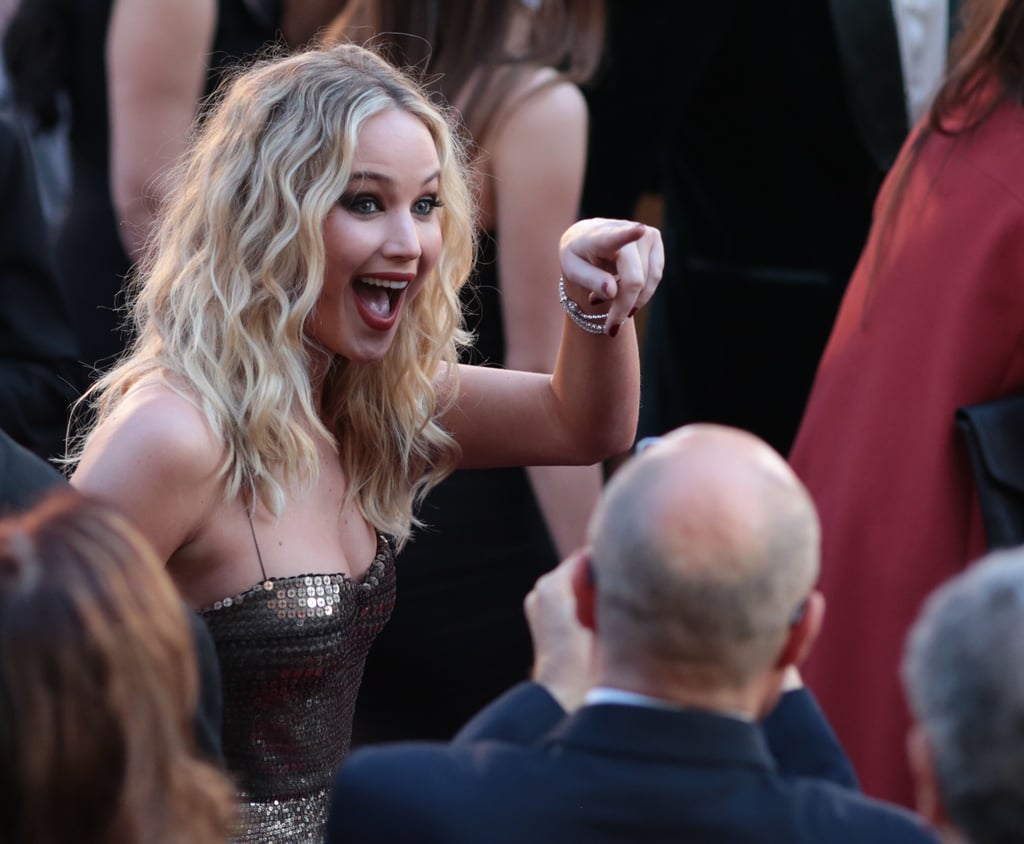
986 64
474 53
98 687
985 69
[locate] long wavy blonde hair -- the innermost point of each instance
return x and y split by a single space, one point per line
237 265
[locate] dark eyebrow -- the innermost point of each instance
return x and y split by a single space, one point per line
371 176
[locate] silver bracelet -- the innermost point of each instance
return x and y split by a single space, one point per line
591 323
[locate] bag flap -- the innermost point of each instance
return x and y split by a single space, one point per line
996 429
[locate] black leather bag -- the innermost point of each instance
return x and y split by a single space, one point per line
994 434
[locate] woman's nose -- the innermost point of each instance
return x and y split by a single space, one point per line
403 239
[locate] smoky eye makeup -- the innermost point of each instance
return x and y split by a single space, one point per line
360 203
426 205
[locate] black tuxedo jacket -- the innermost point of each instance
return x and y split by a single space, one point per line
611 774
767 128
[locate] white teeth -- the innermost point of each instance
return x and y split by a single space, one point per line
381 282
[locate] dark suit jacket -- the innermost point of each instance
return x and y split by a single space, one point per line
612 773
24 480
39 370
24 477
767 128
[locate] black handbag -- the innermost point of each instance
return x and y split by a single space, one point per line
994 435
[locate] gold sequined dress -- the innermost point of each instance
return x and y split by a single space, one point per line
291 654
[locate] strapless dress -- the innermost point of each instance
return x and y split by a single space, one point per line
291 653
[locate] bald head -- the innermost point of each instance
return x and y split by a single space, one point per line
704 545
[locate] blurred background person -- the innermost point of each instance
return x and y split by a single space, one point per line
133 75
98 688
25 479
49 146
457 637
766 129
39 372
959 671
931 321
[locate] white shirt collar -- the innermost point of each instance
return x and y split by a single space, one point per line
922 27
606 694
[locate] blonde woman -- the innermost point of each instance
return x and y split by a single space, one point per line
458 636
294 388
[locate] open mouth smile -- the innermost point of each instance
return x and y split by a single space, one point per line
379 299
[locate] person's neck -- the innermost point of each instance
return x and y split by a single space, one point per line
688 690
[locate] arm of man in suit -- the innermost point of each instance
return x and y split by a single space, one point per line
520 716
801 739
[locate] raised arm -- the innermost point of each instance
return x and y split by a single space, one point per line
537 187
587 409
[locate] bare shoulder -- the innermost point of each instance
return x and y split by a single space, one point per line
543 98
155 458
544 120
156 435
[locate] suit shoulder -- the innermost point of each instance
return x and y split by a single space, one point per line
403 792
828 812
435 768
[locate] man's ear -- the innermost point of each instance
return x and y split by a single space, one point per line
803 631
585 590
927 797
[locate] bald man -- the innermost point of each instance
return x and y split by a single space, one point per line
689 610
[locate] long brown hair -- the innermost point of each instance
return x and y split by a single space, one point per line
98 687
989 50
462 47
985 69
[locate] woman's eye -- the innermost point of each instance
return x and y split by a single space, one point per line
425 205
361 204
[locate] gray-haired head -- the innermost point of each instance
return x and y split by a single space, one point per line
963 670
702 547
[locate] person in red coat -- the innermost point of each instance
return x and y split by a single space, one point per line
933 319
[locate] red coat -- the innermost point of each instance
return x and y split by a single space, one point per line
941 324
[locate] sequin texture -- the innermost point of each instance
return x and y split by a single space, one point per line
291 653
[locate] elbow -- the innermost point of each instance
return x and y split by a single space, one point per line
603 442
134 208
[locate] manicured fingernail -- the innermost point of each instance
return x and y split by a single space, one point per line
614 329
596 300
632 313
607 288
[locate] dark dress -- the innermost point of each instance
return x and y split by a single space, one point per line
458 636
291 653
90 256
936 323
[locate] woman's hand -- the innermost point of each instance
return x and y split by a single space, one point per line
613 262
